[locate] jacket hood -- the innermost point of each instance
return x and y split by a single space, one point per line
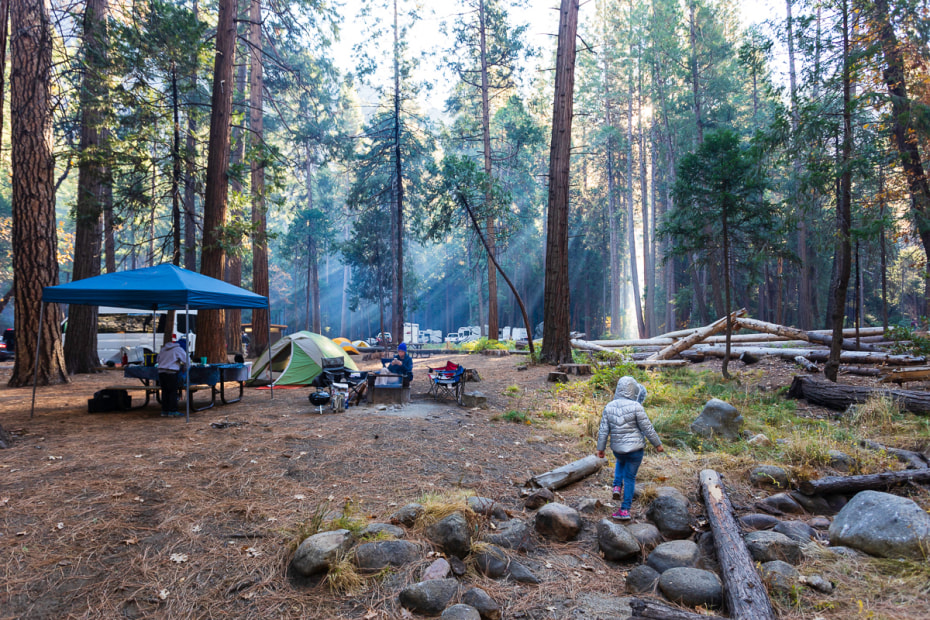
171 345
630 389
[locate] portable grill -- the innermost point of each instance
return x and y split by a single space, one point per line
320 398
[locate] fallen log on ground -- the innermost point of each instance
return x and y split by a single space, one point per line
652 609
584 345
743 588
798 334
806 364
902 375
840 397
567 474
851 331
692 339
650 363
637 342
914 460
814 355
848 485
861 371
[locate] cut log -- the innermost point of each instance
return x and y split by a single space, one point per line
557 377
584 345
748 358
814 355
681 333
840 397
637 342
652 609
914 460
861 371
567 474
574 369
695 357
798 334
902 375
806 364
689 341
848 485
743 588
648 363
851 331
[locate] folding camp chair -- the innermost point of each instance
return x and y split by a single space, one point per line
357 382
448 380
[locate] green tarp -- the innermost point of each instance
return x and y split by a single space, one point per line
296 359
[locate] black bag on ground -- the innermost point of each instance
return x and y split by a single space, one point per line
109 400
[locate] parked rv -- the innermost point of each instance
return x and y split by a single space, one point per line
119 328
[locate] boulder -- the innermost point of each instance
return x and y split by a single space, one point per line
718 419
814 504
692 587
674 554
373 530
758 521
487 507
519 572
407 515
797 530
492 562
765 546
460 611
513 534
318 552
771 476
759 440
840 461
819 523
818 583
883 525
429 597
475 399
487 607
439 569
669 511
458 566
641 579
589 505
646 533
373 556
539 498
451 534
616 541
784 503
558 521
779 576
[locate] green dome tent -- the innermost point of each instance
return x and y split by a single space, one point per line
297 359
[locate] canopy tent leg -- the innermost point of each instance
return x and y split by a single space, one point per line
270 376
35 366
187 351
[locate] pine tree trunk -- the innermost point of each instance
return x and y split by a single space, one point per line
313 273
615 306
260 286
556 342
695 75
190 180
630 207
490 235
4 31
234 342
397 296
81 343
34 235
211 342
843 216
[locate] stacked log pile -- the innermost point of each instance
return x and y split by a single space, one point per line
860 348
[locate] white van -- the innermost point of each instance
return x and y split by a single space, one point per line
132 328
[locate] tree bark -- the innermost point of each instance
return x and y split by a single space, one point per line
397 295
848 485
4 31
210 323
486 144
81 343
260 316
903 130
190 180
34 235
840 397
745 593
567 474
797 334
313 273
233 328
630 208
556 345
651 609
843 215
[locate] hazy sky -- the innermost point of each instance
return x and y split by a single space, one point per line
541 16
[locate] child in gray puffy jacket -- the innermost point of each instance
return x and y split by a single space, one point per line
624 420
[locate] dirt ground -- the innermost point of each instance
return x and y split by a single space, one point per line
134 515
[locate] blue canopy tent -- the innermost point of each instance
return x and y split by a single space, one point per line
163 287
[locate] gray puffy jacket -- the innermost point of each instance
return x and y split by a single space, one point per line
625 420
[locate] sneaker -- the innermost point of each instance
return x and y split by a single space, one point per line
621 515
165 414
175 414
617 492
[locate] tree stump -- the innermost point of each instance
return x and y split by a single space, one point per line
574 369
557 377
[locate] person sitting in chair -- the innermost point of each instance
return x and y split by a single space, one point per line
402 364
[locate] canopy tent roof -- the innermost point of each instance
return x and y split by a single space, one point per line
163 287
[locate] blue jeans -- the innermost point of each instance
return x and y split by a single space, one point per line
625 474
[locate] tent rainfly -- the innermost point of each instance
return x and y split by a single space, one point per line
297 359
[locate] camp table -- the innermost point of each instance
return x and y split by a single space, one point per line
199 376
